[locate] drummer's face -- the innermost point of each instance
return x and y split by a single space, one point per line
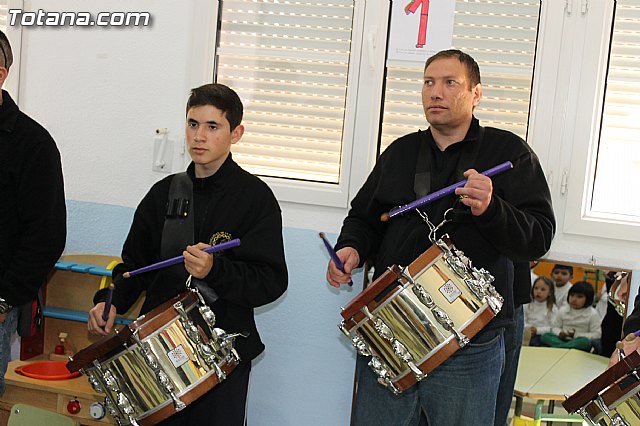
209 138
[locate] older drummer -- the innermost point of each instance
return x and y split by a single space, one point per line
215 201
495 221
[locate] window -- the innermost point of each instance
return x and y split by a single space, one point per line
618 150
289 62
605 160
501 36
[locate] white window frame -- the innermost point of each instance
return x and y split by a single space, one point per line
578 218
315 193
569 97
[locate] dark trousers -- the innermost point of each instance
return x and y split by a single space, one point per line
224 405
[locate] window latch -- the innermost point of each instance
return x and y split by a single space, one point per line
565 182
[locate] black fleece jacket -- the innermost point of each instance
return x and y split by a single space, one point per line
230 204
518 225
33 216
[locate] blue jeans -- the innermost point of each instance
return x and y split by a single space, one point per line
7 328
512 345
461 391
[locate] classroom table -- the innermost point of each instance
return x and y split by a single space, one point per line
548 374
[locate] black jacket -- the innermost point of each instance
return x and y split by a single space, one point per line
230 204
33 217
518 225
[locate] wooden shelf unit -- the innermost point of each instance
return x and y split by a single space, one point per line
68 298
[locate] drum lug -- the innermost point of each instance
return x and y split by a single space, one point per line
208 315
95 384
112 410
616 420
165 382
383 374
399 349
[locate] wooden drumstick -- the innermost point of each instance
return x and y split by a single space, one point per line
107 303
442 192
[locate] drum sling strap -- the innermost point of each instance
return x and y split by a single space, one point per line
424 165
178 231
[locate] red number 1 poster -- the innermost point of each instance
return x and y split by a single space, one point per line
420 28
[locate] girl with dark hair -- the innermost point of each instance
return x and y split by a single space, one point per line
577 324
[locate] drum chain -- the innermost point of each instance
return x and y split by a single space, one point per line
221 343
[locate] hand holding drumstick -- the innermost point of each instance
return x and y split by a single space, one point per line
630 343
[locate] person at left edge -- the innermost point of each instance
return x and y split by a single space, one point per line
33 216
228 203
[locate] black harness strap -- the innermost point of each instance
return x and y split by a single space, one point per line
177 232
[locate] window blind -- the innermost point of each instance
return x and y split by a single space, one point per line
618 156
289 62
501 37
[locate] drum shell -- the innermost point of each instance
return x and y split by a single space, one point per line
162 333
413 323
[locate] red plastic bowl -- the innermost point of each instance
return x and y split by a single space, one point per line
47 370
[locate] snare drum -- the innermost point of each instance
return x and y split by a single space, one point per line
612 398
410 320
159 363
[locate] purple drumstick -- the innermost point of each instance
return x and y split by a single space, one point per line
179 259
107 303
333 255
442 192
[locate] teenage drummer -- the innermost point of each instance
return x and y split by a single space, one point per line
495 221
214 202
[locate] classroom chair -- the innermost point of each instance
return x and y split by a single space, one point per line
28 415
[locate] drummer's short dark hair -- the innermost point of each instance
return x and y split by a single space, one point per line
220 96
563 267
473 70
5 50
585 288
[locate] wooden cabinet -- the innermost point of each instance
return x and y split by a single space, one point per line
68 298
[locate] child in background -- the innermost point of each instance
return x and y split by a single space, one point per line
577 323
539 314
562 275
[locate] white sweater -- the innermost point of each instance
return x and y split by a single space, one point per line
561 295
536 314
585 322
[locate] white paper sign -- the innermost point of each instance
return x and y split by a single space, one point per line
420 28
178 356
450 291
